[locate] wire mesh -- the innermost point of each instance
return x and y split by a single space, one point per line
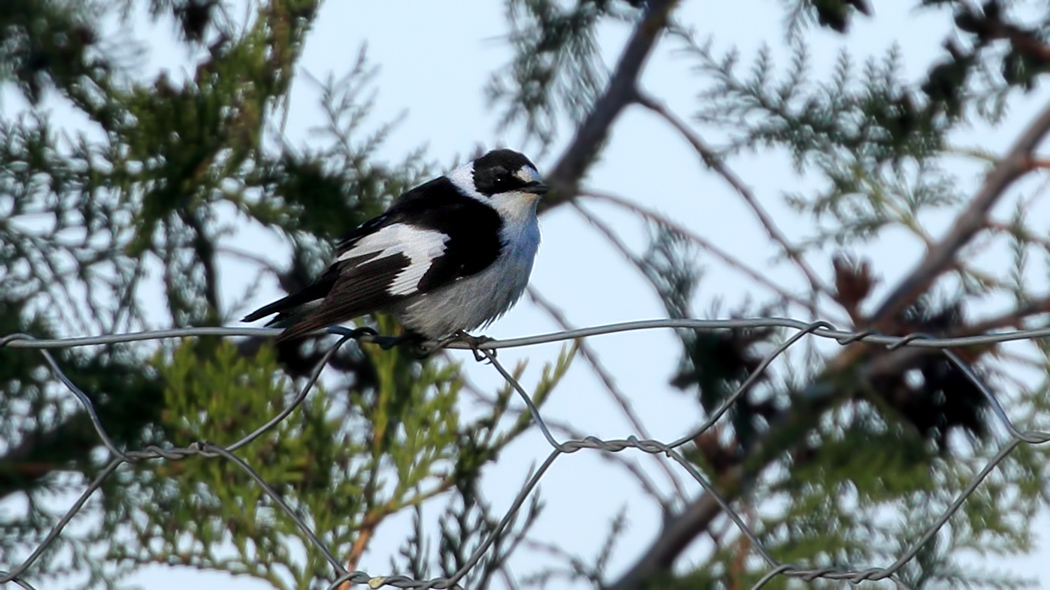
486 351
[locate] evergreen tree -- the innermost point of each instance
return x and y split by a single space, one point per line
845 462
148 187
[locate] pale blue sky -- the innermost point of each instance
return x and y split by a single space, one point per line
434 63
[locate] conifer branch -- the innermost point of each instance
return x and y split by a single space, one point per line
707 245
696 518
1016 163
567 173
714 162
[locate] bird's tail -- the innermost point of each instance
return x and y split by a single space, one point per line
278 306
294 311
297 320
299 327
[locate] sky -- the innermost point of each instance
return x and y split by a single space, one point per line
435 59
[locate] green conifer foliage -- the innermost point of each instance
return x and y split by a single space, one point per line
840 459
147 187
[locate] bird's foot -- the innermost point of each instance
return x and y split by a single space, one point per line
415 343
418 345
476 344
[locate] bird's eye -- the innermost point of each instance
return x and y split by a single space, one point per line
498 179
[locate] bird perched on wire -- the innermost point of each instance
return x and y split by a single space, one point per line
449 256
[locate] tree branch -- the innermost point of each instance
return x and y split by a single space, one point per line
678 532
1016 163
821 395
707 245
566 174
714 162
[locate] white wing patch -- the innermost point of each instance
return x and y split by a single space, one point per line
420 246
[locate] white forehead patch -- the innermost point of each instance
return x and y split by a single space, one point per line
528 174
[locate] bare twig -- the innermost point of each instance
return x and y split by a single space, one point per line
604 229
707 245
714 162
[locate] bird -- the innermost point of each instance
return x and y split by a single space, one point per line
449 256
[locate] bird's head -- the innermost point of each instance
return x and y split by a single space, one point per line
504 179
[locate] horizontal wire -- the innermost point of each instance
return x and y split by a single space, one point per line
487 352
824 330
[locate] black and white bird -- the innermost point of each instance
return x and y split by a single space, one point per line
449 256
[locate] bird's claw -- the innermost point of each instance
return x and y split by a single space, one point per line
417 345
476 344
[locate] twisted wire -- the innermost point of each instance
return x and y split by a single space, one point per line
487 352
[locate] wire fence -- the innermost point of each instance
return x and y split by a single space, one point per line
486 351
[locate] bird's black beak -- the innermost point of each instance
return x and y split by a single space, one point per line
536 188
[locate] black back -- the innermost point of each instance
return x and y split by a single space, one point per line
473 229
